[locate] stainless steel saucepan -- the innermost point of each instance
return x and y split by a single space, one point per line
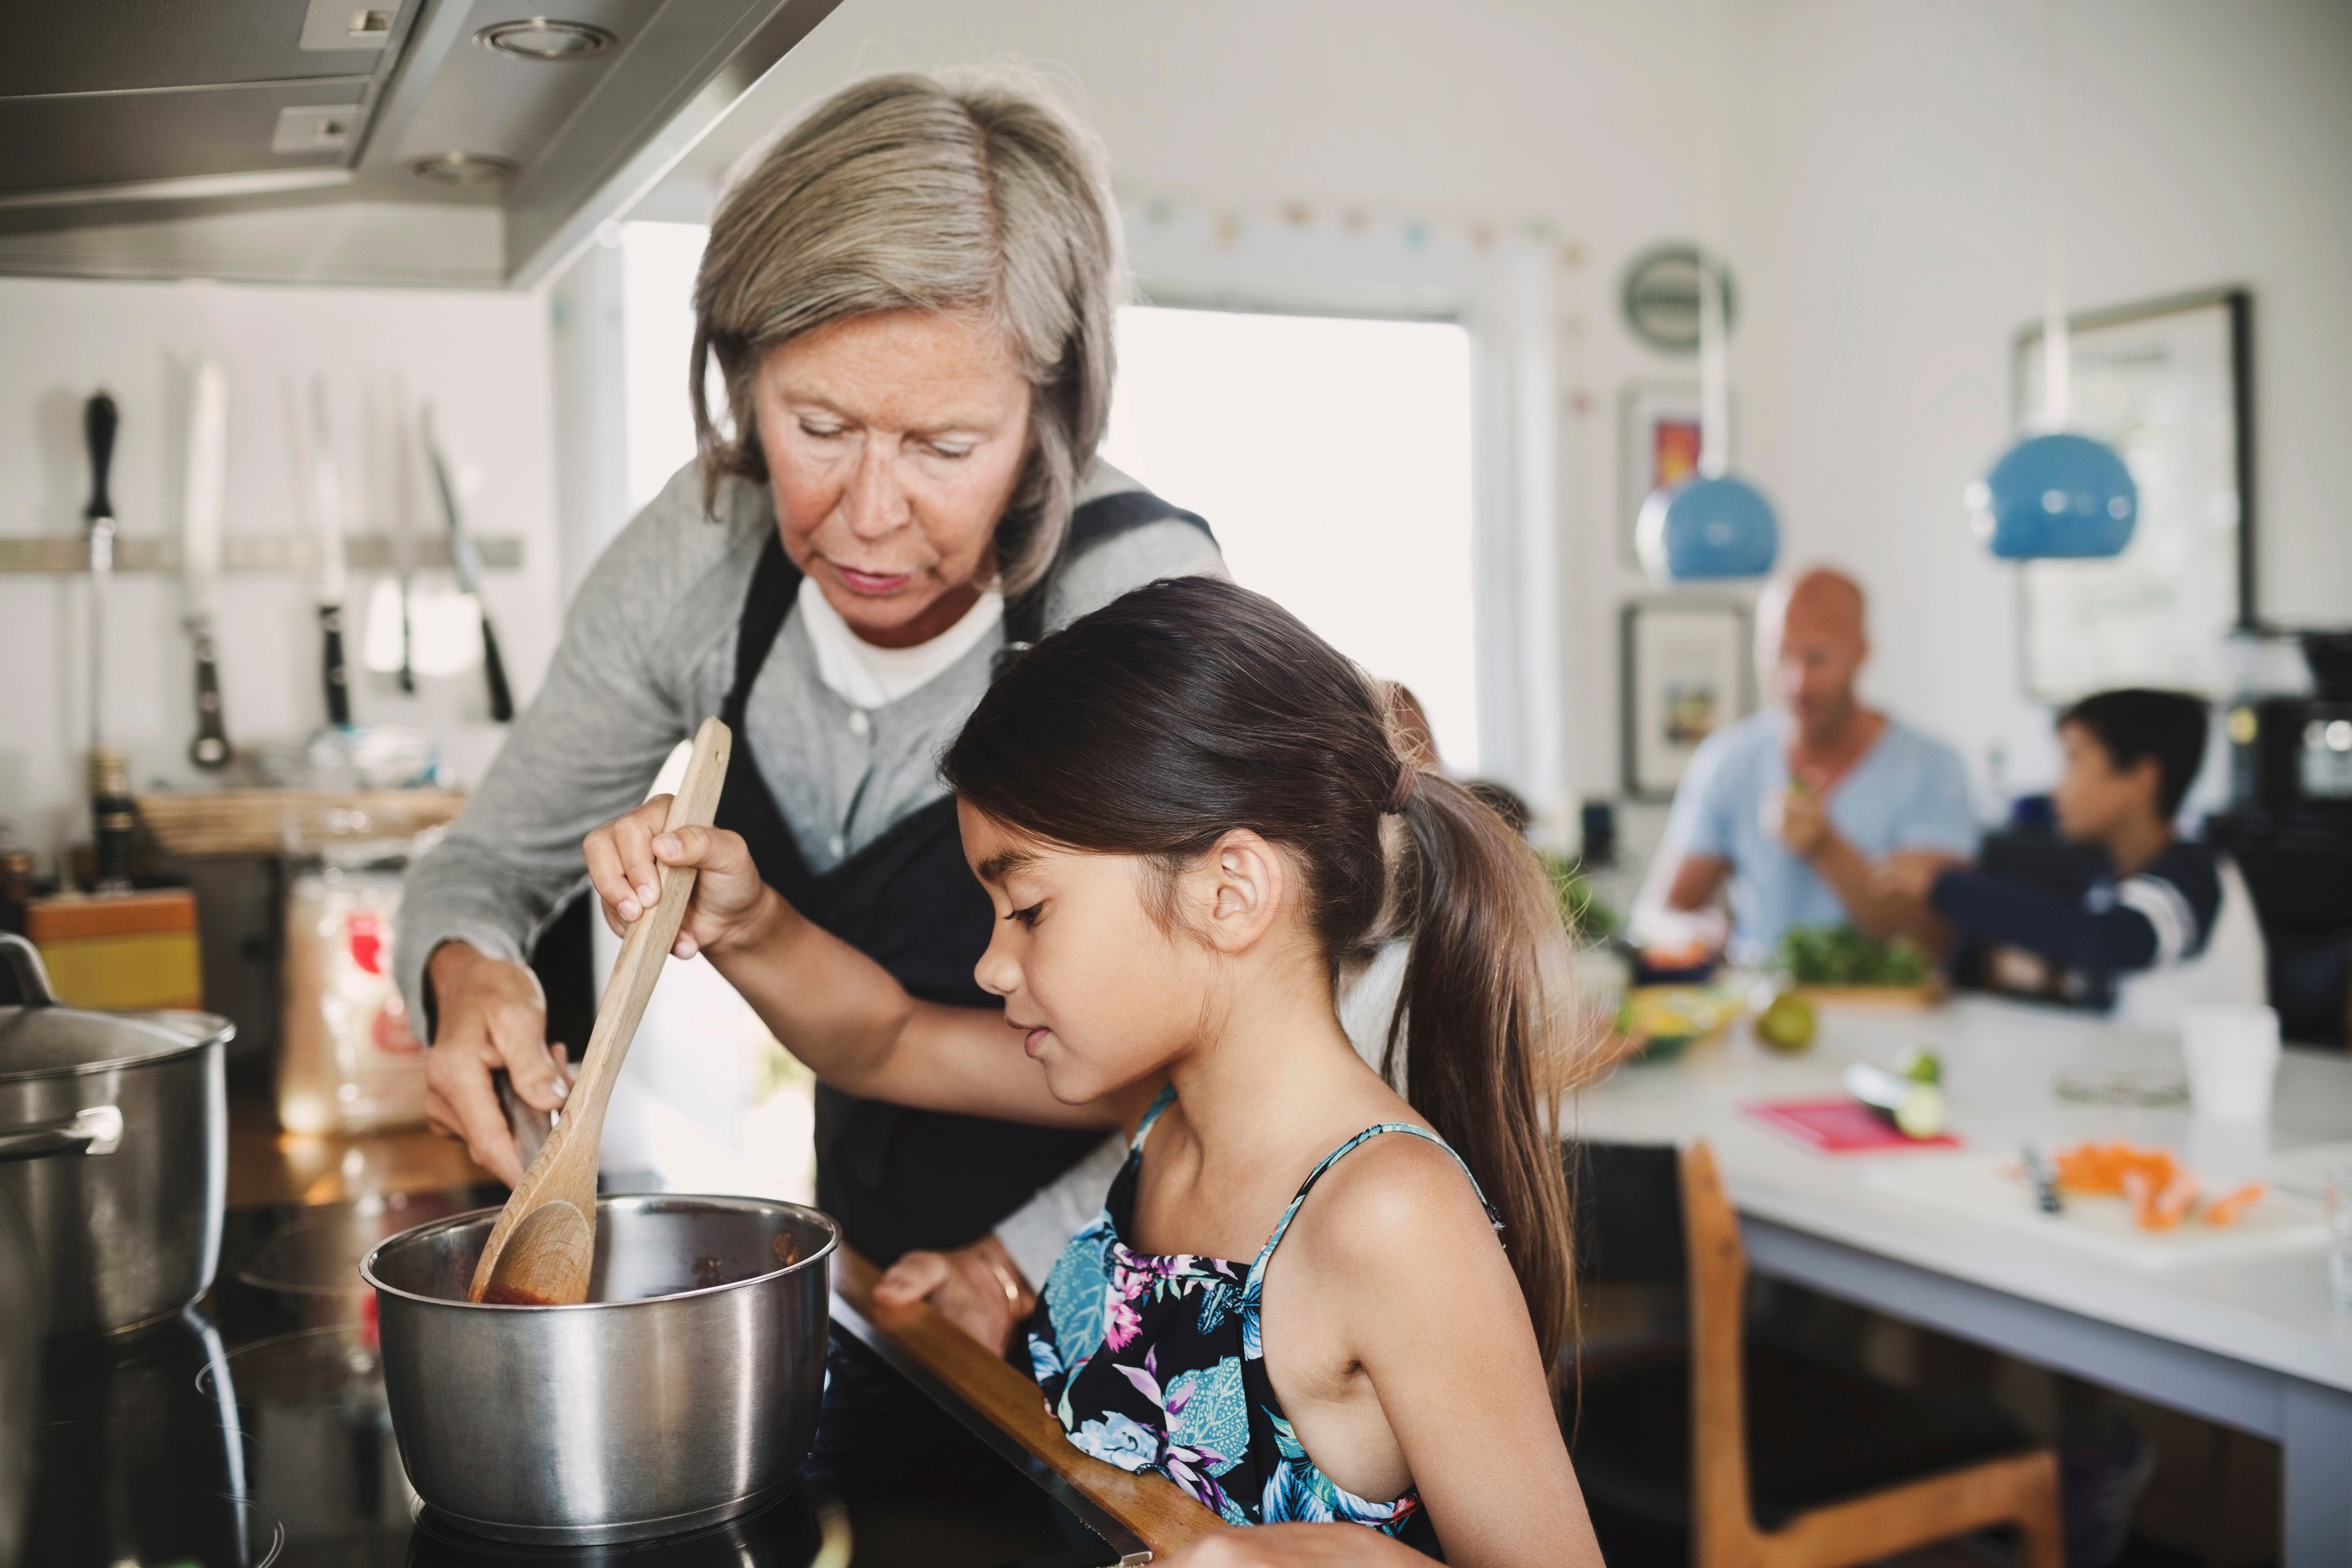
683 1392
114 1150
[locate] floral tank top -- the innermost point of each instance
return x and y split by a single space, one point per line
1156 1363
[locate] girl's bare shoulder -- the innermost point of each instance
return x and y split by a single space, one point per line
1395 1199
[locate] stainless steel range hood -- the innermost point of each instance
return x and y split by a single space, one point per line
403 142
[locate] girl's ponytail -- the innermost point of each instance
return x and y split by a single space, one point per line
1475 1027
1192 707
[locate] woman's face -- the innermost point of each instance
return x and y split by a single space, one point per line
1098 992
894 441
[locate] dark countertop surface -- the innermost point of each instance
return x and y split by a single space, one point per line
252 1430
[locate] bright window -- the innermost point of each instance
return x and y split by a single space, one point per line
658 264
1333 458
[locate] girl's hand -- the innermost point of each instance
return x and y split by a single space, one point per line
625 860
1294 1546
979 1289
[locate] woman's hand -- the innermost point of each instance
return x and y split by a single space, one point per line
1294 1546
492 1014
729 904
979 1289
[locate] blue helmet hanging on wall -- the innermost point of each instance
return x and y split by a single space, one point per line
1708 528
2057 497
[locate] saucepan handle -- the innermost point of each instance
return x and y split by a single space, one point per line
94 1129
32 976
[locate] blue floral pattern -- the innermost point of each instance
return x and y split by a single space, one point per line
1156 1363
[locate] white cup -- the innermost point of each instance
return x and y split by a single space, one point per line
2231 1049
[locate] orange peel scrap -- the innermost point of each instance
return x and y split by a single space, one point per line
2161 1191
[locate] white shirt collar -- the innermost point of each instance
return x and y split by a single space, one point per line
870 677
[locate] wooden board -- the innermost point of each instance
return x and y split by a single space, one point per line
1988 1188
1150 1505
85 915
1930 994
268 1167
284 821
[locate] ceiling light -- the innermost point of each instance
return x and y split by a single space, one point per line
465 169
542 38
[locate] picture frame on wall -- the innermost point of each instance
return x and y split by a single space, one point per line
1658 425
1687 671
2167 384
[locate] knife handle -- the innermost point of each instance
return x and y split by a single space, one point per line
99 423
339 677
209 750
495 670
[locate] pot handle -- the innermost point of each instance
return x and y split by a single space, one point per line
32 975
95 1129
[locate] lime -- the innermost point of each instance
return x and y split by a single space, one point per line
1921 1114
1787 1024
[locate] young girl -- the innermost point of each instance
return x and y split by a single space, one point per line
1307 1298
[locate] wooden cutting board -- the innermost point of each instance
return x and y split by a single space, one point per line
288 821
1989 1188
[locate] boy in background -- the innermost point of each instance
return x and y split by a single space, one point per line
2171 925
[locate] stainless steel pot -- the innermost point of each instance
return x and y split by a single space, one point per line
114 1148
20 1336
682 1393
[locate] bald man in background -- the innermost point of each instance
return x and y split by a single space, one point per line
1789 810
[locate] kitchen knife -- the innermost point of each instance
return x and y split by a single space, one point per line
469 561
99 423
333 583
200 552
111 816
404 524
2044 1177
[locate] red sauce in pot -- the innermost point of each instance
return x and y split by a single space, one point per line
514 1296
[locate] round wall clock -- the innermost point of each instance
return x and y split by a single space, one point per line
1660 297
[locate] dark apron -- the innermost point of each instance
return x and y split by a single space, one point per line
898 1178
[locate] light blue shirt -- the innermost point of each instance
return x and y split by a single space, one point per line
1908 792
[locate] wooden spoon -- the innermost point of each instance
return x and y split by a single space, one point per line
541 1250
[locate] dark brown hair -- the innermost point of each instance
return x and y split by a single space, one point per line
1194 707
2135 723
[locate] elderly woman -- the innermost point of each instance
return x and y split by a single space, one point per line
910 301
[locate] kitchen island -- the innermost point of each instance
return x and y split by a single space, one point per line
2240 1329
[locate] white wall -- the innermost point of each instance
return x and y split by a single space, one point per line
482 358
1473 115
1880 191
1892 242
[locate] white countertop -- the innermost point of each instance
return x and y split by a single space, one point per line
2270 1308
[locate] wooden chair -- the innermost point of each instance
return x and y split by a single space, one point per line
1732 1455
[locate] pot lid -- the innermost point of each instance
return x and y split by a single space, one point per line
44 1036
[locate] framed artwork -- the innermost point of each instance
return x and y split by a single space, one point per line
2167 384
1687 672
1658 422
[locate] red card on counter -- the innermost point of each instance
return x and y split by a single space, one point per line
1839 1126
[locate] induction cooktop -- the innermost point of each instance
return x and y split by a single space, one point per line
252 1432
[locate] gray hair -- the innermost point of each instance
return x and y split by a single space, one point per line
971 192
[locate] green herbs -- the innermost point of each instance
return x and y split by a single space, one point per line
1588 919
1841 955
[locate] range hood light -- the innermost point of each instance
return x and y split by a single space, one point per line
465 169
541 38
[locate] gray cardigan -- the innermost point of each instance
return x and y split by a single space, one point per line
648 652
